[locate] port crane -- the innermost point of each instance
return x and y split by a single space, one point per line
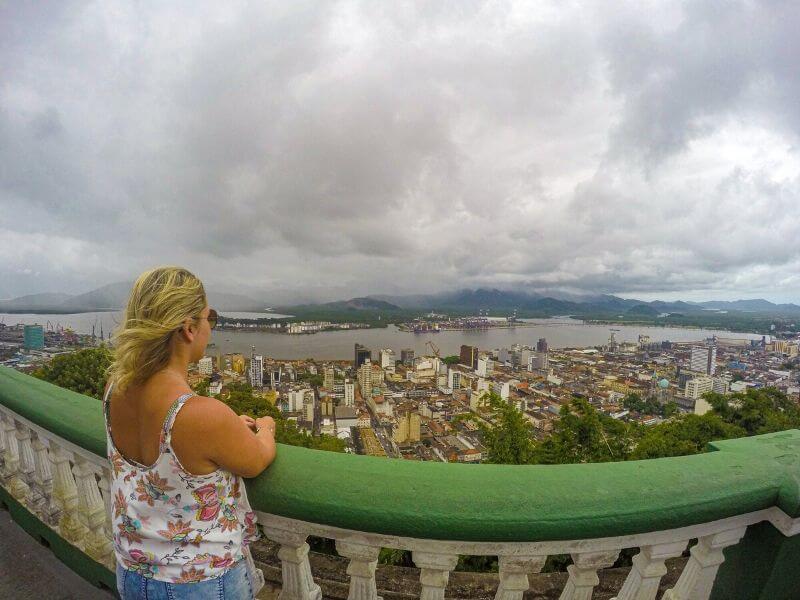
434 348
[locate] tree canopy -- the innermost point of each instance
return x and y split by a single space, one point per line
583 434
83 371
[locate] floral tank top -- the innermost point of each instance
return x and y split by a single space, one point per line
171 525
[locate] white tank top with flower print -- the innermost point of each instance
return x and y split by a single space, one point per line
171 525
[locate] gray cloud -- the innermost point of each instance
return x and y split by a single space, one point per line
345 148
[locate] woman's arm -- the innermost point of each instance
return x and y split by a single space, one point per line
225 439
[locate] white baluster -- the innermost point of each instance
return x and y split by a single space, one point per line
583 574
648 569
434 573
11 469
514 571
698 575
43 477
27 467
363 561
93 509
65 492
297 581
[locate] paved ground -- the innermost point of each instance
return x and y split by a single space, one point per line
29 570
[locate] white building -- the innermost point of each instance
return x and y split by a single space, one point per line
502 389
703 359
257 371
698 386
538 361
721 385
484 368
365 379
296 399
205 365
387 359
349 393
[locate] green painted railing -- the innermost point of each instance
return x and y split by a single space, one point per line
488 503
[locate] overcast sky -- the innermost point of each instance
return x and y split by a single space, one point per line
343 148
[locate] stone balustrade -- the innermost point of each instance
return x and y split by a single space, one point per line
736 509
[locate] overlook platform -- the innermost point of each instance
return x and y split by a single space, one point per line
736 508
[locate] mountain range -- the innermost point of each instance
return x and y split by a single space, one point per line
114 296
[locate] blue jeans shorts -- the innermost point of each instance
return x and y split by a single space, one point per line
235 584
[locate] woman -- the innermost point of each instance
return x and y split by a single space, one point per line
181 518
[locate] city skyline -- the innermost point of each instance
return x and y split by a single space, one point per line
321 152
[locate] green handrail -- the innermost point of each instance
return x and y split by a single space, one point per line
479 502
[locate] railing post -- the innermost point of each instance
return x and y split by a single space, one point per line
698 575
583 574
363 562
27 467
297 581
46 508
434 573
648 569
11 471
97 543
66 494
514 572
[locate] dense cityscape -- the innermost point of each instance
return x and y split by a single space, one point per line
434 407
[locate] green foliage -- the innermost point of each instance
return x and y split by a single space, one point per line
689 434
649 406
756 411
478 564
451 360
510 440
582 434
201 387
83 371
395 557
315 380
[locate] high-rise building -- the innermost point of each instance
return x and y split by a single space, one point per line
699 386
33 336
365 379
484 366
407 356
538 361
407 428
541 345
468 356
205 366
703 359
327 381
362 353
349 393
256 370
238 363
387 359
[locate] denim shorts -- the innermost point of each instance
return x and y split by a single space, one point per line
235 584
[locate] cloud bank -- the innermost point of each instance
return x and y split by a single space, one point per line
333 149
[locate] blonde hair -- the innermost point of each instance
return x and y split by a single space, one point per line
160 301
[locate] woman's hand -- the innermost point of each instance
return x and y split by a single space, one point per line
266 423
249 421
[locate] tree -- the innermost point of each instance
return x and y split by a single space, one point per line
83 371
451 360
689 434
509 441
582 434
757 411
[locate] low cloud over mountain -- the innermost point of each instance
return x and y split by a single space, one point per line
318 151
